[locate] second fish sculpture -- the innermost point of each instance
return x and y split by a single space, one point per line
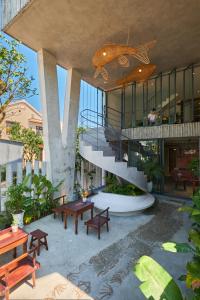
109 52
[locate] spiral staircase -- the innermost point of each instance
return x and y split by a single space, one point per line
104 146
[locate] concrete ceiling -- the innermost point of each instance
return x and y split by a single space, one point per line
74 29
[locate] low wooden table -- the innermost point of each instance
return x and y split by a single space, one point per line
10 240
75 209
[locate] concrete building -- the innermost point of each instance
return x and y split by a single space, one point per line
68 33
23 113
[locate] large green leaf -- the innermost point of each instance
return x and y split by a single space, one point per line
194 236
177 247
157 283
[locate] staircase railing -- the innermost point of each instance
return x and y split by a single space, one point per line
102 128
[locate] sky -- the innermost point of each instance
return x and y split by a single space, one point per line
31 58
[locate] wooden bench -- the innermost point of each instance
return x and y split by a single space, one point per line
98 221
59 209
16 271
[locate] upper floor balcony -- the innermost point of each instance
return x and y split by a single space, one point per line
9 9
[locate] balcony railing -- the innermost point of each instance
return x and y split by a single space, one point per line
9 9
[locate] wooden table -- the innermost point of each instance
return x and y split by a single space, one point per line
10 240
75 209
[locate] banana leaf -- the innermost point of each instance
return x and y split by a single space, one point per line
157 283
177 247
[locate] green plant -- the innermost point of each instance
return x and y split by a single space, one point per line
31 140
192 276
14 84
153 169
157 283
5 220
41 201
194 167
114 186
16 197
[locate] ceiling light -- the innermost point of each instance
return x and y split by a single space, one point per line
140 70
104 53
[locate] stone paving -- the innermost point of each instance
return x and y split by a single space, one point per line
82 267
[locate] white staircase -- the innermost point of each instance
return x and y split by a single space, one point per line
95 149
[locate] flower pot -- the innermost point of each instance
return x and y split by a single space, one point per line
19 219
149 186
84 199
14 228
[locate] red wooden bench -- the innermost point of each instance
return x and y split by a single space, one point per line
98 221
16 271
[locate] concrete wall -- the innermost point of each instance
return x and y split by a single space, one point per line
163 131
10 151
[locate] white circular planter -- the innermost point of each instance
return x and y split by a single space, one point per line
121 205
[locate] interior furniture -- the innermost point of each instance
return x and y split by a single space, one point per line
58 209
75 209
10 241
41 238
98 221
16 271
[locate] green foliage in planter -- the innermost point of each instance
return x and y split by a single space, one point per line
40 203
115 187
153 169
157 284
16 197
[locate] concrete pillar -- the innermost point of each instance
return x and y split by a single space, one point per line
103 175
51 116
70 122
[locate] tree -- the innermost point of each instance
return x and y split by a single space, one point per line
14 83
31 140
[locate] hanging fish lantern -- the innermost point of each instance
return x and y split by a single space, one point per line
139 74
109 52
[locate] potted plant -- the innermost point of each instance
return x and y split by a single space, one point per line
14 225
84 195
154 171
16 199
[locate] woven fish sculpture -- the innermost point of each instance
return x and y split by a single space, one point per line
139 74
109 52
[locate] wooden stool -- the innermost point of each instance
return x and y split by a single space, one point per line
39 235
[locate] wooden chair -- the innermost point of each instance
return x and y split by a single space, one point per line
16 271
98 221
58 210
41 239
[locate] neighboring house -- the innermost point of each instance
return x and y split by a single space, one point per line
21 112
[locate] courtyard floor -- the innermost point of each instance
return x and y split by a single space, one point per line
83 267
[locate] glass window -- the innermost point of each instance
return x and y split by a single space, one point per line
172 98
128 107
165 99
188 101
179 97
196 76
139 105
114 102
